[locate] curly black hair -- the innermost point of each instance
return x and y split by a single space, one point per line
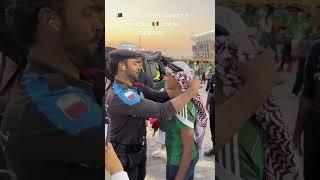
22 21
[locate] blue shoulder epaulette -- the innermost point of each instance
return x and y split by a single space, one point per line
70 108
128 96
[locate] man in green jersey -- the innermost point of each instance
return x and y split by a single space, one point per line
249 147
183 150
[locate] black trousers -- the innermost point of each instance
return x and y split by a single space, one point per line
134 163
212 122
312 147
299 77
3 160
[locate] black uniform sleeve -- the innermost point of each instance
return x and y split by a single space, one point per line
149 82
144 109
211 89
153 95
210 85
309 83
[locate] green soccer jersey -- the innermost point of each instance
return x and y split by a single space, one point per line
207 68
244 155
185 119
251 151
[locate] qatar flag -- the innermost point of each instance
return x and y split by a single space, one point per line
73 106
129 95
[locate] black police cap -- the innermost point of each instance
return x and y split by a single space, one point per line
123 54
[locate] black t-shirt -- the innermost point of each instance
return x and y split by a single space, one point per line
211 84
312 76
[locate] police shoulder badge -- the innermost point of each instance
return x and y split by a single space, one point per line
69 109
128 96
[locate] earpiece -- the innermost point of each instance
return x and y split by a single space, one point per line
54 25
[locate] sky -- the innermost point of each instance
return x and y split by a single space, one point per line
179 21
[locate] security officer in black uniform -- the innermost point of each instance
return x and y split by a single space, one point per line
53 128
308 120
211 104
128 110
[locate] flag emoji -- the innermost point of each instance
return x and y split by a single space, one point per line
155 23
119 14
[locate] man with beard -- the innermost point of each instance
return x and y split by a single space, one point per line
53 128
128 110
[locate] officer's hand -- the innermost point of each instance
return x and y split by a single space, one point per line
195 85
113 164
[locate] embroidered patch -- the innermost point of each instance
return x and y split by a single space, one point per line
128 96
73 106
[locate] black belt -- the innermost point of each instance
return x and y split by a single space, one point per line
122 148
